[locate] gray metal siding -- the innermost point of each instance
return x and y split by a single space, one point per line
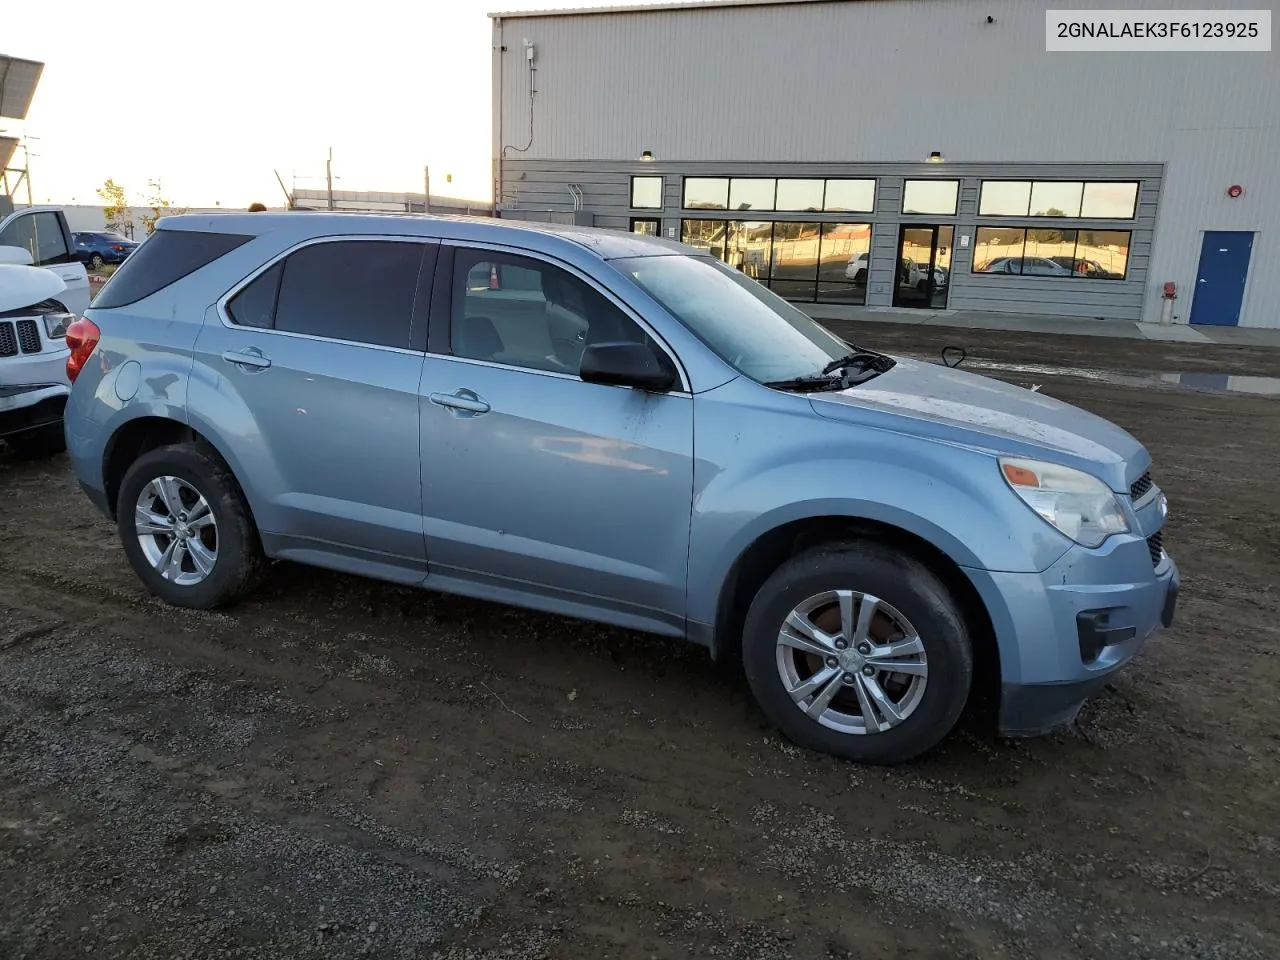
892 80
540 186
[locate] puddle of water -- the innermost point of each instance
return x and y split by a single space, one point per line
1209 382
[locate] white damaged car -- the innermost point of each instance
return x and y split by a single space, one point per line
33 357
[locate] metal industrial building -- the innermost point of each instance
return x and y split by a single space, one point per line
911 153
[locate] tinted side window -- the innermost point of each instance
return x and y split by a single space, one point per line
255 305
164 258
528 313
40 234
351 290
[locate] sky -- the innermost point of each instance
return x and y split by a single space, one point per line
210 103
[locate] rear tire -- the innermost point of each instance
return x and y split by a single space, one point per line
96 261
200 548
922 699
39 444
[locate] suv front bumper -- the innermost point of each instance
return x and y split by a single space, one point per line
1063 633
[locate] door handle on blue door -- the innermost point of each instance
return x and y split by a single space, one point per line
251 357
460 401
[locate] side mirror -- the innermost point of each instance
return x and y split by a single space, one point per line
626 364
19 256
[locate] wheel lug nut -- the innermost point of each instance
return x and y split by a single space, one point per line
841 644
848 678
864 649
868 671
832 662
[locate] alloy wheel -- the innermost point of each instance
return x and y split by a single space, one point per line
852 662
176 530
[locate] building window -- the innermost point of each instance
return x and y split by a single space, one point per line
930 196
1109 201
646 193
1055 198
1005 198
645 226
749 193
1074 199
794 271
1047 252
850 196
843 262
705 235
706 193
750 244
799 196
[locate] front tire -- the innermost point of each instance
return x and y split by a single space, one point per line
858 651
186 528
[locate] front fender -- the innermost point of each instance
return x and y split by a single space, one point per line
797 466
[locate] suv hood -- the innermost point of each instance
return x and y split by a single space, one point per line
954 406
26 286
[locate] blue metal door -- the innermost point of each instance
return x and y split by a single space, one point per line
1224 265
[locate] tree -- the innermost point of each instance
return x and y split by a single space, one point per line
159 204
115 208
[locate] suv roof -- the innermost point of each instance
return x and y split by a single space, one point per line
606 244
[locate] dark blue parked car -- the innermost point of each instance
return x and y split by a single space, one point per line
95 249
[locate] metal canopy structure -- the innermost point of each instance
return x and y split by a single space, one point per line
18 81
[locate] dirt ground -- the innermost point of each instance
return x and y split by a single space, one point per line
339 768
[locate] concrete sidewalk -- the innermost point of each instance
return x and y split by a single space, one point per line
1032 323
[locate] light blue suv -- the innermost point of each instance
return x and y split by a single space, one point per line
619 429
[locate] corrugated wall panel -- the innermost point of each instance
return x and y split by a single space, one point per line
879 81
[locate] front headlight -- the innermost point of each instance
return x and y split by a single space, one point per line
55 324
1078 504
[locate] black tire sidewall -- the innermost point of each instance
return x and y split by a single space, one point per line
188 463
900 581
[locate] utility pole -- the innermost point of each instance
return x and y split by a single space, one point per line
328 176
26 162
426 188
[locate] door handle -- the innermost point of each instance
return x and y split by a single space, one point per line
464 400
251 357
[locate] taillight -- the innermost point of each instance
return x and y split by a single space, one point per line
117 248
82 338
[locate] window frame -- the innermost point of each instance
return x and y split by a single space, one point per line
662 188
422 296
1084 182
440 327
1039 224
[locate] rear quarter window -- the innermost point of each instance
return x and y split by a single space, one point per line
164 258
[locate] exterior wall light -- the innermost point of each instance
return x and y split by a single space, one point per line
647 156
935 157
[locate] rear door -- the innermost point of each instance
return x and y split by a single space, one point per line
43 233
314 364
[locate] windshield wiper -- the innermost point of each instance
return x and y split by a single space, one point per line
808 383
854 368
861 359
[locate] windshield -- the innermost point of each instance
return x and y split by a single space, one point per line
751 328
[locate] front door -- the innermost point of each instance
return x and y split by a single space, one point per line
924 266
1224 267
43 234
533 480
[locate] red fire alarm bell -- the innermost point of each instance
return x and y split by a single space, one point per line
1234 191
1170 291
